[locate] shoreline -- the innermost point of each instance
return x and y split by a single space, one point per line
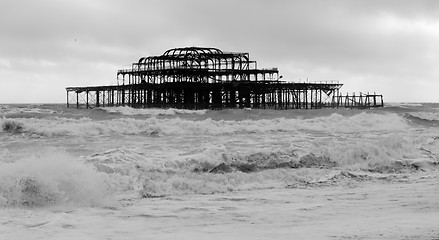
403 209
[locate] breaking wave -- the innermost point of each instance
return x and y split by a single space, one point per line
405 105
161 154
214 169
424 118
152 111
203 172
334 123
23 110
53 179
50 180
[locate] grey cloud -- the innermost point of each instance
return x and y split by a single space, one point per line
344 38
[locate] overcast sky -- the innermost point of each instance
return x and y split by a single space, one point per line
388 47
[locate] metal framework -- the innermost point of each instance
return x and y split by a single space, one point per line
200 78
196 65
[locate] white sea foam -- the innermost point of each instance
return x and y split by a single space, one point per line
177 126
151 111
178 155
5 156
404 105
158 184
6 109
51 179
193 171
61 160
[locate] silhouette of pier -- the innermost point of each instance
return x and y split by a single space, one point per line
208 78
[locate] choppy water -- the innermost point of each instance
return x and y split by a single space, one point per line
56 156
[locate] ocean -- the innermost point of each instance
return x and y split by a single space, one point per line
124 173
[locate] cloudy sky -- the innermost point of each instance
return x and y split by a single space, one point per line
383 46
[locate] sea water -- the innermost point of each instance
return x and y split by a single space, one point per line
114 163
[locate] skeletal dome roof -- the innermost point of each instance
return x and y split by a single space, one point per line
192 51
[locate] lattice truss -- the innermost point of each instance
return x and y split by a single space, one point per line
196 64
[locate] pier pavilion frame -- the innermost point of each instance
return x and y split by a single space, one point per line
195 65
208 78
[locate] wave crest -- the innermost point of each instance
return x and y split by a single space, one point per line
428 119
55 179
128 111
334 123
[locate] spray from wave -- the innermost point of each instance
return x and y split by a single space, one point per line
50 180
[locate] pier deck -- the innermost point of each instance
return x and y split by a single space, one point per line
242 94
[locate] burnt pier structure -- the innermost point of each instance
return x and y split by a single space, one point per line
208 78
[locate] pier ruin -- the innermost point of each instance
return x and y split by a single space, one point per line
208 78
